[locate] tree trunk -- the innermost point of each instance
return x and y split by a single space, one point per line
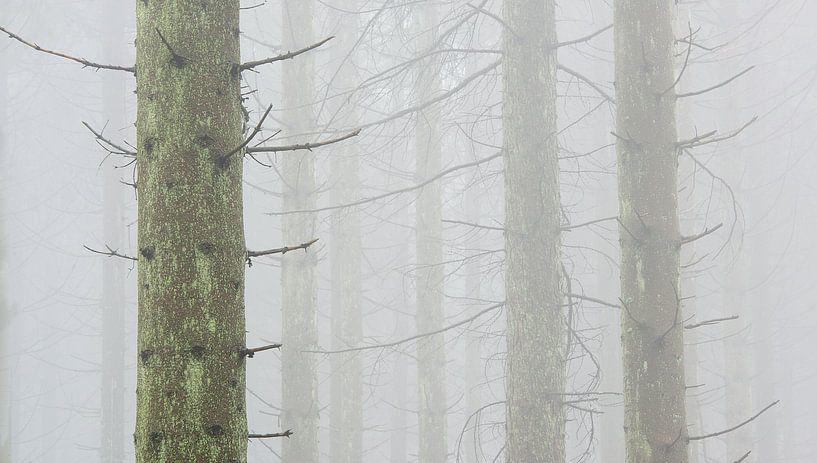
298 270
652 322
536 334
346 416
5 312
190 373
430 312
113 270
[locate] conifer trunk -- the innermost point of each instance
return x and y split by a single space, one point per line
652 320
536 334
190 373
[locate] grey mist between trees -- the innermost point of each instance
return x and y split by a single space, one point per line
431 231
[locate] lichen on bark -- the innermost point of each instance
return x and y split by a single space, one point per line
190 373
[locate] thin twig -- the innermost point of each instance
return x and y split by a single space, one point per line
121 150
716 86
81 61
708 231
713 321
283 250
585 38
286 434
252 135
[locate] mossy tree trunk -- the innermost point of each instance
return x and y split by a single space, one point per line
113 271
430 313
190 373
298 270
346 416
536 334
652 319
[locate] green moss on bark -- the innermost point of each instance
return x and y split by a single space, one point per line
190 396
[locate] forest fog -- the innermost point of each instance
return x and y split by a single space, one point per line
531 231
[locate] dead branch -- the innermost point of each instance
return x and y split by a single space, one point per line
745 456
111 253
175 58
250 353
586 38
587 81
412 338
82 61
119 149
716 86
252 135
285 56
283 250
593 299
286 434
713 321
744 423
302 146
708 231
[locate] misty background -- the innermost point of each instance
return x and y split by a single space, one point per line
758 266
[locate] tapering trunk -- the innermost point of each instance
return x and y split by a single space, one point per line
346 416
191 375
298 270
473 358
536 333
652 320
5 314
430 312
113 270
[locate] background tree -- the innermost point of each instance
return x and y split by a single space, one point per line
536 332
652 325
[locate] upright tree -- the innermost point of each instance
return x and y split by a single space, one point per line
298 271
536 333
5 312
113 270
346 415
191 374
652 329
430 271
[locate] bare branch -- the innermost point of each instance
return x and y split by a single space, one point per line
744 423
286 434
302 146
714 321
250 137
585 38
285 56
250 353
111 253
82 61
119 148
716 86
587 81
708 231
283 250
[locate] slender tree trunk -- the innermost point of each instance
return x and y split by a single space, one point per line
652 323
473 358
399 426
298 271
346 417
5 313
113 270
536 334
430 312
191 375
688 225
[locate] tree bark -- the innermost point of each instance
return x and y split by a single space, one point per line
652 323
298 270
5 312
113 270
536 333
430 311
346 417
190 370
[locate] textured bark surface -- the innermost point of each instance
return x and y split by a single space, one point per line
113 270
346 416
652 331
430 313
536 333
190 374
298 270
